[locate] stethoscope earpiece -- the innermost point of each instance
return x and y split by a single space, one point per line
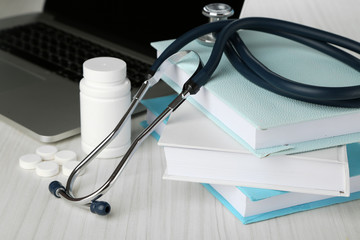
103 208
100 208
54 188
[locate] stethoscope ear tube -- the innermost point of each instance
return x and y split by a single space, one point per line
91 200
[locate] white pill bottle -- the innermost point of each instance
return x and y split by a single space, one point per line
104 98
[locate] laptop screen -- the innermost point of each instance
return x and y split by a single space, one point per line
133 23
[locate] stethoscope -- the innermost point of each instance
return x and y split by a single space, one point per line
230 43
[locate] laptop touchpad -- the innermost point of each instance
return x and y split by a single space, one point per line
12 77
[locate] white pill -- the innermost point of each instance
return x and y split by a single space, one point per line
46 152
47 169
29 161
69 166
64 156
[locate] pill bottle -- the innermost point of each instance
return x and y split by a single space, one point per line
104 98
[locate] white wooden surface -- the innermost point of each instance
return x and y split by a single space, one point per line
143 205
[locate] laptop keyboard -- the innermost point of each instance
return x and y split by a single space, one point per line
61 52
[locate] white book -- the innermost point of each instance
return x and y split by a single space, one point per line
262 120
253 204
197 150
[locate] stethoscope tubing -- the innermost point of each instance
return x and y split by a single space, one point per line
263 77
239 54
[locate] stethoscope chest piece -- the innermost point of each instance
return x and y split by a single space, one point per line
215 12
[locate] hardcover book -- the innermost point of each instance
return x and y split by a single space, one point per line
197 150
253 205
264 122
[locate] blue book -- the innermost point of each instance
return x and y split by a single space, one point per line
251 205
154 107
264 122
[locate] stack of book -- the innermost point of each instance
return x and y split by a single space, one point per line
263 155
250 204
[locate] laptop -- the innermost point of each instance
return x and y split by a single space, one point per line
41 55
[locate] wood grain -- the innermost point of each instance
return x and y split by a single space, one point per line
143 205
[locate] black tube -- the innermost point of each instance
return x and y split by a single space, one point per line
256 72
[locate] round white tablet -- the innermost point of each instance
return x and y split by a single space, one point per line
46 152
69 166
29 161
64 156
47 169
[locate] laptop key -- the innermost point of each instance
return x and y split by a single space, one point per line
61 52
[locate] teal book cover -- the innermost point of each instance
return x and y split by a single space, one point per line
154 108
266 112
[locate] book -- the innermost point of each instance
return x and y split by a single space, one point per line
154 106
264 122
197 150
251 205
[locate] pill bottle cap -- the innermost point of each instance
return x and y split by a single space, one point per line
104 69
